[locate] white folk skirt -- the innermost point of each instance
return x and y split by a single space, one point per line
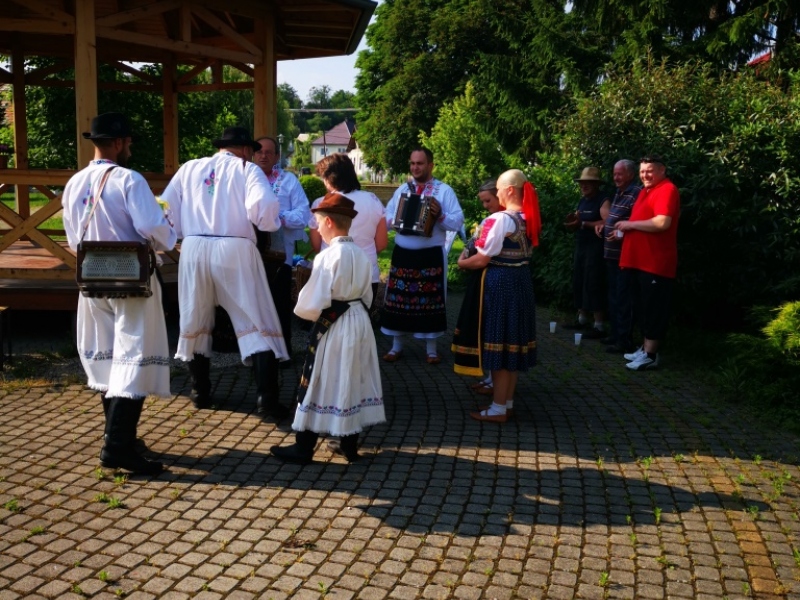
344 394
123 345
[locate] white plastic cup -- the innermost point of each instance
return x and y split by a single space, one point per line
552 326
578 337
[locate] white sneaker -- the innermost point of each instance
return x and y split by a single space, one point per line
643 362
635 354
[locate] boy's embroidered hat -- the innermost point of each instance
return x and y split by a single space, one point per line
337 204
108 126
236 136
589 174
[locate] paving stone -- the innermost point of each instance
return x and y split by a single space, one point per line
442 508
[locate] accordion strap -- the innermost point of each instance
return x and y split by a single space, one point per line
103 180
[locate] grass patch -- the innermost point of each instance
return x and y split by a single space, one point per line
37 200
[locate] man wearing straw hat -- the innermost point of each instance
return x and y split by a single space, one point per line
215 202
588 277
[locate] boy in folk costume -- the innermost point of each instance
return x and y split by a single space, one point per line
340 390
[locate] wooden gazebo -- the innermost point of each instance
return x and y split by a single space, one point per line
36 271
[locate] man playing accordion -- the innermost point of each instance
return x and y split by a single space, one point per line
417 283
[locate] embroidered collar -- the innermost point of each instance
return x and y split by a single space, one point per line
342 238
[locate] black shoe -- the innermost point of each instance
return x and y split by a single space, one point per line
200 401
594 334
577 326
130 460
336 447
275 410
292 454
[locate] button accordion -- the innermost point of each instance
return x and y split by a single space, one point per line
414 215
115 269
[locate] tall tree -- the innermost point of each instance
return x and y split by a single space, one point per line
420 56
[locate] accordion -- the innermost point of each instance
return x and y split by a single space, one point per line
414 215
115 269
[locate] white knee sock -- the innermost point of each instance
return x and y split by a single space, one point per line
431 343
397 344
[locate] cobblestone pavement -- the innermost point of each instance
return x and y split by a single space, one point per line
606 484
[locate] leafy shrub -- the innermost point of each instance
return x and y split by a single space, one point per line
783 332
764 370
312 186
732 146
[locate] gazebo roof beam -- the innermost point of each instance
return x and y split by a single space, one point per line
126 16
47 10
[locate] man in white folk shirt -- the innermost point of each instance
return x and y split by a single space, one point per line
294 215
122 342
216 201
417 283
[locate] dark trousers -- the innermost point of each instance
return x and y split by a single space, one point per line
620 303
652 300
279 278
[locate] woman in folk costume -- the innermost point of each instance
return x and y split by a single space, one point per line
467 334
508 344
340 390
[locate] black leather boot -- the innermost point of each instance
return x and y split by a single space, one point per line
346 446
301 452
140 445
119 451
265 373
200 369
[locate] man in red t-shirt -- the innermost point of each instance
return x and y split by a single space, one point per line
650 253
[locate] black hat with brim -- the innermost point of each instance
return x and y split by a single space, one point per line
108 126
236 136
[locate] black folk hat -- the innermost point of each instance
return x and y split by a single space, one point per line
336 204
108 126
236 136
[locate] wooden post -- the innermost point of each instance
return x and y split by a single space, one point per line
265 92
170 95
85 76
20 125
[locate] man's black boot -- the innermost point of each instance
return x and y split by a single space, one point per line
200 369
140 445
265 373
119 451
301 452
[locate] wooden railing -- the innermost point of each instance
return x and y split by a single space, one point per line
24 225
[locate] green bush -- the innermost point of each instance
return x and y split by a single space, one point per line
551 263
313 187
763 371
783 332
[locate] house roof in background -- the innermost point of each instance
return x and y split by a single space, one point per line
339 135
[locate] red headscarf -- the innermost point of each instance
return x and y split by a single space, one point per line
530 208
